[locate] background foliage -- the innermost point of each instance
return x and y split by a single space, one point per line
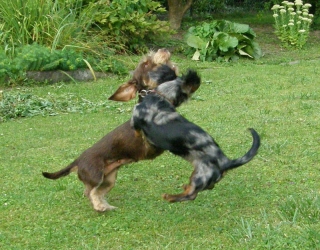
98 30
132 23
223 41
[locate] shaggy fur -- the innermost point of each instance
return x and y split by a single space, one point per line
141 80
97 166
163 127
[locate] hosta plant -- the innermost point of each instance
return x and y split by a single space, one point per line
222 40
292 23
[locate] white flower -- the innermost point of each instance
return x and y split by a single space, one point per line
290 24
311 15
290 9
285 2
305 14
293 13
275 15
290 4
299 12
302 31
298 2
275 7
309 20
299 22
282 11
307 5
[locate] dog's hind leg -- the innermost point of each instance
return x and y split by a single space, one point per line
189 193
97 194
203 177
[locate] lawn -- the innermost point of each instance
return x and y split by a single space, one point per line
271 203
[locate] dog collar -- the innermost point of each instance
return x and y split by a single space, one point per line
143 93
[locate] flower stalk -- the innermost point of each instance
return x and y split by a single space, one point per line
292 23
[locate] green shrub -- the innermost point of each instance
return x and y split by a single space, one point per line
292 23
222 40
39 58
132 23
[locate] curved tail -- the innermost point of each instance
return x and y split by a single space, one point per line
247 157
63 172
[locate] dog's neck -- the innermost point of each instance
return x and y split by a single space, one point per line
144 93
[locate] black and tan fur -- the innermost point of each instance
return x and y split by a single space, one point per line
162 126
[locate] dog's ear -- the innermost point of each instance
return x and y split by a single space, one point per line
125 92
191 82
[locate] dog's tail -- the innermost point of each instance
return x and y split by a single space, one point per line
247 157
63 172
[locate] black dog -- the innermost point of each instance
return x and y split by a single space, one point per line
163 127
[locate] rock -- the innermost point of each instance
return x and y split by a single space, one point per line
64 76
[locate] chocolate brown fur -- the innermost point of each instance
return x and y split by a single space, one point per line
97 166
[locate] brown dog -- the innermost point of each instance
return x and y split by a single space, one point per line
140 78
97 166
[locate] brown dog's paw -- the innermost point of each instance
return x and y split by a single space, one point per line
104 207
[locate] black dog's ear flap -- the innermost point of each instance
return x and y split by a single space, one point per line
125 92
192 82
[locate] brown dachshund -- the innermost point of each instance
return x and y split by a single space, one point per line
97 166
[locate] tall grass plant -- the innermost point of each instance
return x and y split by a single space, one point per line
52 23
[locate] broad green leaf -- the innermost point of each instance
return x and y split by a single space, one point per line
240 28
225 41
195 41
253 50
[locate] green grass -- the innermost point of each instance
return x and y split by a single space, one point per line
271 203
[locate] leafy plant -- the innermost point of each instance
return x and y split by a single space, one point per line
130 22
222 40
39 58
292 23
